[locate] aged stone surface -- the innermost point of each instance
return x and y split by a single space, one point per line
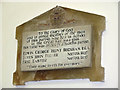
61 17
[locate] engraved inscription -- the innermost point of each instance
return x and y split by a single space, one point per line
56 48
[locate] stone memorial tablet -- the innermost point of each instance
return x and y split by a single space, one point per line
61 43
56 48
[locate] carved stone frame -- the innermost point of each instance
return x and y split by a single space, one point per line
60 17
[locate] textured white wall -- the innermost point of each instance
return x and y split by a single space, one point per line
15 14
0 46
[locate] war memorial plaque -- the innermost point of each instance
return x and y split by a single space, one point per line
62 43
56 48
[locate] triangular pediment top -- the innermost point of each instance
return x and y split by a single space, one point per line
59 17
61 9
